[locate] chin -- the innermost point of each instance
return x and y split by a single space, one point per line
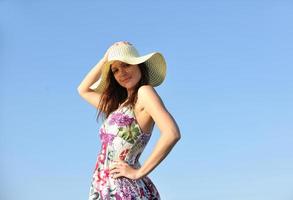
129 86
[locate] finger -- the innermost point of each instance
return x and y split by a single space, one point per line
113 167
115 171
114 164
120 164
117 175
117 166
117 163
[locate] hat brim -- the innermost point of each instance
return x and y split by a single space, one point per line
155 63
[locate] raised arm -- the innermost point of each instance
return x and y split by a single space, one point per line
93 75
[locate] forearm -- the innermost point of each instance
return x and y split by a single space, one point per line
161 150
92 76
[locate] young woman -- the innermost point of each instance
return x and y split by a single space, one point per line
120 86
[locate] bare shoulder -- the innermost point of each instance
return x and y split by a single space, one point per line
145 88
148 97
147 92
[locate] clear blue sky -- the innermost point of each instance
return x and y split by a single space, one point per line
229 86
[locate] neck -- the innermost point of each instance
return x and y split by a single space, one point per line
129 92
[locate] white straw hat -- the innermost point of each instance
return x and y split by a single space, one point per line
126 52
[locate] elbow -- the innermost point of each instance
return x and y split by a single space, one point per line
80 90
176 136
173 135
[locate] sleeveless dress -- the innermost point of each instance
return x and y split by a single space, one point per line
121 138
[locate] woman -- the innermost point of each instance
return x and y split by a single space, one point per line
124 93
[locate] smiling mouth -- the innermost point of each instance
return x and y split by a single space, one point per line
125 80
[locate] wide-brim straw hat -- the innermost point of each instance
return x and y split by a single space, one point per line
127 53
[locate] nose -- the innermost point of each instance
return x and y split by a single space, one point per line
123 72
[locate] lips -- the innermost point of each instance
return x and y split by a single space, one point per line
125 80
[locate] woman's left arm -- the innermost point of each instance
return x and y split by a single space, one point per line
169 136
169 131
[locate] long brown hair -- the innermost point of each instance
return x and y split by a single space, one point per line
114 94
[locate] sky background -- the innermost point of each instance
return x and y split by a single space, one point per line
229 85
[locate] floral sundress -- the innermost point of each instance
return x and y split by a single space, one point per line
121 138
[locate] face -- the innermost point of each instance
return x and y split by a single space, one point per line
125 74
